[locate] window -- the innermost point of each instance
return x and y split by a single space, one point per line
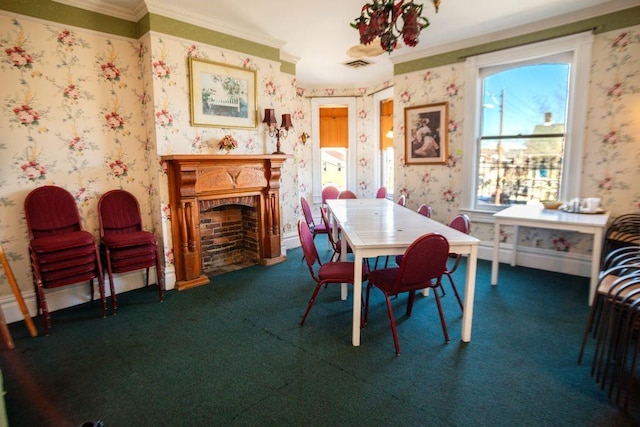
334 142
530 108
384 161
340 162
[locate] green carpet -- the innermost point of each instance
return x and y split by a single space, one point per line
232 353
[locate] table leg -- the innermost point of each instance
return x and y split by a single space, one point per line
514 252
496 253
343 257
469 294
357 298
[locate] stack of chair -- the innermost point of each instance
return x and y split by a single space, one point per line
614 324
61 252
124 245
622 232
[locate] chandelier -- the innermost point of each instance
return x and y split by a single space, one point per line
381 19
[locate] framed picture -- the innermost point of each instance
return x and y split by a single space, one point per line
425 134
222 95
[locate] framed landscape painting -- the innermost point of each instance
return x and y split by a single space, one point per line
222 95
425 134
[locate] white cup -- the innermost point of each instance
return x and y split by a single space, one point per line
590 204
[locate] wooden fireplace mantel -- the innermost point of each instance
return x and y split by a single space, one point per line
199 177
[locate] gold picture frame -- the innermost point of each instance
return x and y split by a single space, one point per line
222 95
425 134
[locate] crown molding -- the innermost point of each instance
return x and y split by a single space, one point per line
162 7
109 8
592 12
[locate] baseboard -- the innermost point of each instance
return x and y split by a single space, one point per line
69 296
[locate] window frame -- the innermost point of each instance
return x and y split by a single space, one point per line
316 103
580 45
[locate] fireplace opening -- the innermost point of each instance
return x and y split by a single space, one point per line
229 238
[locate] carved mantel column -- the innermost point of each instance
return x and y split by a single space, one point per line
197 177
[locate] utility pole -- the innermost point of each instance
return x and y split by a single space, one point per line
498 188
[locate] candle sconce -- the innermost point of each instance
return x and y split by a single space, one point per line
274 130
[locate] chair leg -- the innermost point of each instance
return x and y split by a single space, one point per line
410 301
160 279
455 291
366 305
588 328
112 287
444 323
42 303
311 301
393 323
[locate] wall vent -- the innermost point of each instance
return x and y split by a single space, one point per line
358 63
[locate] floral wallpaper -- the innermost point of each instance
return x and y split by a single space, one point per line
90 112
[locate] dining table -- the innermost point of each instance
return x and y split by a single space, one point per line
380 227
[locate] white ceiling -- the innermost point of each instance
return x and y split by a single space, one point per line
315 34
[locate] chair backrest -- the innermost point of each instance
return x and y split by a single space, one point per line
381 193
329 192
424 260
51 210
325 219
118 212
308 247
461 223
425 210
402 200
347 194
306 210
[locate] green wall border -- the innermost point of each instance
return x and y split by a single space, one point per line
57 12
609 22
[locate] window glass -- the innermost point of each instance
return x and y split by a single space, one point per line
334 171
523 115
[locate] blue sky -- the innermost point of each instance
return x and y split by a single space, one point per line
529 92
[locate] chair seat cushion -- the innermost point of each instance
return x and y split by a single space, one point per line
320 229
340 271
65 264
88 270
68 254
129 263
132 252
135 238
62 241
68 280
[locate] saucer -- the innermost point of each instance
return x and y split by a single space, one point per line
584 211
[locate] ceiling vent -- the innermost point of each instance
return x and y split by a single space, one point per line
358 63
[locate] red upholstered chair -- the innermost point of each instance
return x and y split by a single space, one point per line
425 210
402 200
323 274
347 194
461 223
381 193
322 228
329 192
423 265
61 252
124 245
336 244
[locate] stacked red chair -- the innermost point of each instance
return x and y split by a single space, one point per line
61 252
124 245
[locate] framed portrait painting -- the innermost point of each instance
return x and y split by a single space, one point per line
425 134
222 95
